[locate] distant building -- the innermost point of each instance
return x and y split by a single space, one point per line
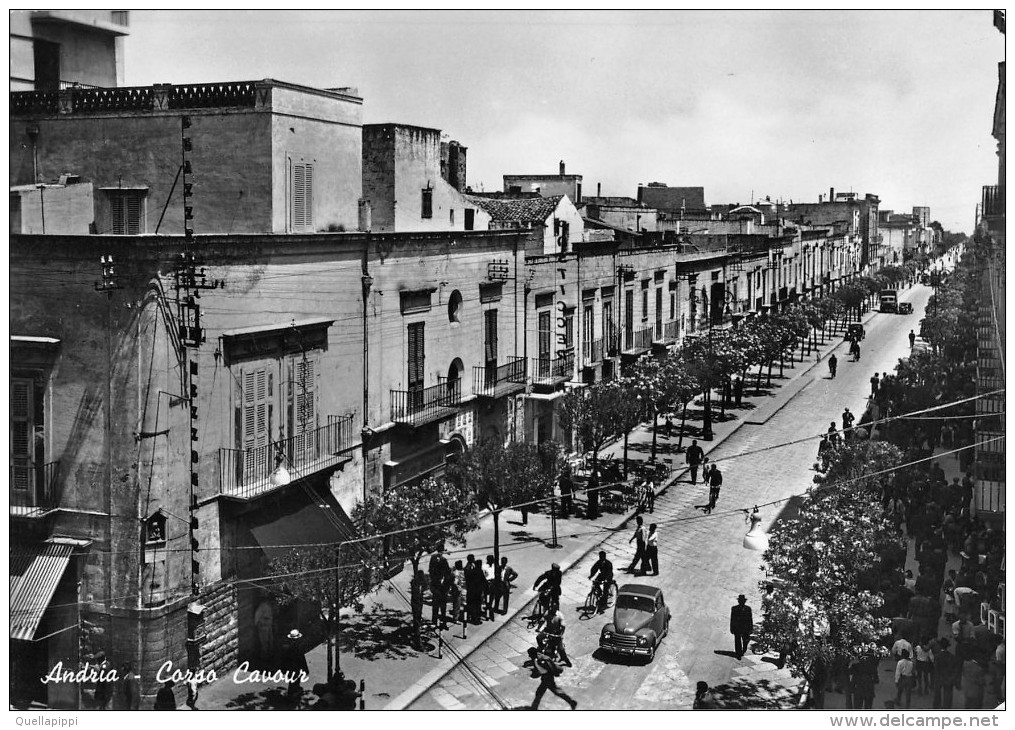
412 182
546 185
859 214
626 213
555 222
56 49
672 200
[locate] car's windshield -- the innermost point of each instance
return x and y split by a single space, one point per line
637 603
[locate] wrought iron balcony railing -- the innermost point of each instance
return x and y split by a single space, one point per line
592 352
554 371
636 340
417 406
668 333
35 489
501 380
247 473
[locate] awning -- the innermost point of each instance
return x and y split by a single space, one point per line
35 573
308 516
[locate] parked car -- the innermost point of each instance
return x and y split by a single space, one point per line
640 621
855 331
905 308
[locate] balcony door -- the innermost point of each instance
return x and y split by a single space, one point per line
416 358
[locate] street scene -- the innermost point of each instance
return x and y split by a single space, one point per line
314 407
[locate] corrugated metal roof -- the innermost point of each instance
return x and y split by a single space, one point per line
35 573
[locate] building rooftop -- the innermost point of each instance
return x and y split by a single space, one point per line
528 210
613 202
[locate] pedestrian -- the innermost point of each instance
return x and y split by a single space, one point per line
902 645
165 699
475 589
904 679
694 457
875 383
648 496
546 670
715 484
552 637
639 539
924 661
416 604
974 681
856 351
440 586
833 363
103 690
863 675
946 676
833 435
566 491
669 424
508 575
458 592
193 689
847 423
703 697
296 666
741 625
912 339
592 493
130 686
651 559
492 585
738 390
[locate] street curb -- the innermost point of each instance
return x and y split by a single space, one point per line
435 675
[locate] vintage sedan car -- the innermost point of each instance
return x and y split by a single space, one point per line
855 331
905 308
640 621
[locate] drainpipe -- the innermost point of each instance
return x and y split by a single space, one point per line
367 282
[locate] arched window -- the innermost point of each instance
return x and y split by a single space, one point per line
455 306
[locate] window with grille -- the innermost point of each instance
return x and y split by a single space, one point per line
256 421
302 404
490 339
302 197
544 343
609 333
127 212
427 203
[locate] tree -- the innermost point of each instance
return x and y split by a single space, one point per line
425 515
826 607
326 578
852 295
713 360
654 382
496 476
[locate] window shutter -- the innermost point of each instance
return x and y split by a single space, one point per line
116 212
299 197
133 214
255 419
491 335
308 198
21 431
544 335
416 355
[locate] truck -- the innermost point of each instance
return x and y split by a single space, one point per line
889 299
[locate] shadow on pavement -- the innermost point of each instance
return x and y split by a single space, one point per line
624 661
744 694
524 536
381 633
723 652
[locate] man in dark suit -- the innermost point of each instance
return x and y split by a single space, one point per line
741 625
694 457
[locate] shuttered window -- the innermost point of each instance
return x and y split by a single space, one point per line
416 355
490 337
126 212
255 422
302 216
427 203
544 335
21 434
302 405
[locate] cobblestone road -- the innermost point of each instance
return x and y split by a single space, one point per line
703 565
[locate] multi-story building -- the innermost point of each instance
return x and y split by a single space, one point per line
620 212
860 215
56 49
553 223
673 201
262 157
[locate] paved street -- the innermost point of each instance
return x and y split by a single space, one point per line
702 561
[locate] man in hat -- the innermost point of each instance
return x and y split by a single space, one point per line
694 456
165 699
546 670
741 625
295 664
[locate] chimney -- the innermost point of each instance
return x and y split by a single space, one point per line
599 190
831 195
365 215
562 167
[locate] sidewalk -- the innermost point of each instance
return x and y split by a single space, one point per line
376 640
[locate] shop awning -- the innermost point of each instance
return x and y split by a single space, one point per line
35 573
309 516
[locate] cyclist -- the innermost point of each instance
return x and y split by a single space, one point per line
550 640
548 585
602 576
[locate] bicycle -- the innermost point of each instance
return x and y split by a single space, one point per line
596 600
546 605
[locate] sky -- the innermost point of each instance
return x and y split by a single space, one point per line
785 104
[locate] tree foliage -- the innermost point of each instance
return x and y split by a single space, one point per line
594 414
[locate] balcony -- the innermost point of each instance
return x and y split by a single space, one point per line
419 406
551 373
592 352
500 381
993 201
668 335
35 489
246 473
637 342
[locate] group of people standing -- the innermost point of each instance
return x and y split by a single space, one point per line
475 590
711 475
